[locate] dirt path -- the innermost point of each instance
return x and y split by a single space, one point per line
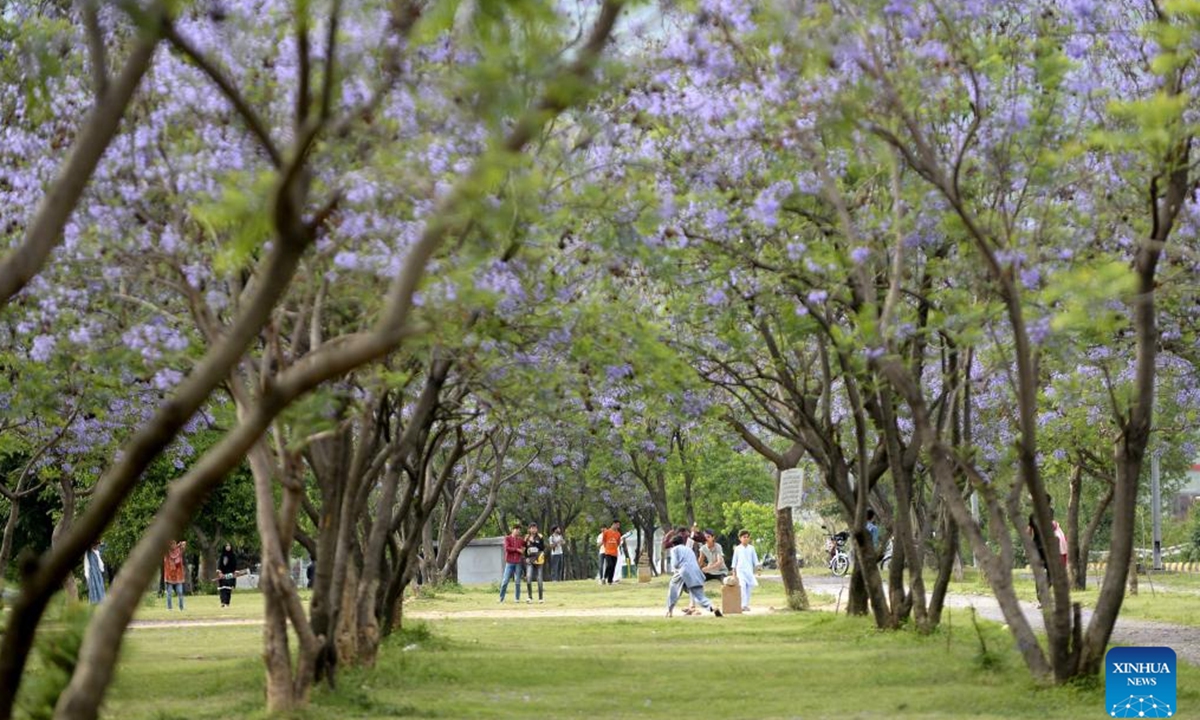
1185 640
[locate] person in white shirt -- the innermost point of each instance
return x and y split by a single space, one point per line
557 543
745 563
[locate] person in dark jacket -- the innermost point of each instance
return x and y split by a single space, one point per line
226 574
535 562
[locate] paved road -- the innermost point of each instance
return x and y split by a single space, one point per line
1183 639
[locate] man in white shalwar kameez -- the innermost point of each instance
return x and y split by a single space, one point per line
745 563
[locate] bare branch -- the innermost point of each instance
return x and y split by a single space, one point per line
253 122
96 53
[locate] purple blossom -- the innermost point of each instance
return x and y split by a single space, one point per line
1039 330
216 299
617 372
816 297
347 260
716 296
167 379
1030 277
1077 46
1083 9
766 208
716 219
859 255
43 346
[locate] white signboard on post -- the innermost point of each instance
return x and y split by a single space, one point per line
791 489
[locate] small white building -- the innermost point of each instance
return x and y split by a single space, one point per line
1188 495
481 561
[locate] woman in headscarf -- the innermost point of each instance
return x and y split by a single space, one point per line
226 578
93 573
174 572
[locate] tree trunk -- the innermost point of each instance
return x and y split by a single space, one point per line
66 491
1079 541
858 602
689 476
276 654
785 550
949 564
208 554
287 689
997 568
14 513
346 635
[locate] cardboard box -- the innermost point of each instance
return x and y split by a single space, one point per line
731 600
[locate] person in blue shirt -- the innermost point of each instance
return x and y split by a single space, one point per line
687 575
873 529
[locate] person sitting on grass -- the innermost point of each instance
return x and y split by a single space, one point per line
687 575
712 558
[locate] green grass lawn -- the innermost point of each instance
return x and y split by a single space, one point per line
521 661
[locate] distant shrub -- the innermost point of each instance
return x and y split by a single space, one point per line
57 651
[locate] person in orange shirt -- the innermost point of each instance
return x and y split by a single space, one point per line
174 572
610 542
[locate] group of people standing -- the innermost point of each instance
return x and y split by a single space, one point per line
529 553
697 557
174 573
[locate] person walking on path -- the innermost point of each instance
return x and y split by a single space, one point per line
535 559
687 575
174 572
514 559
610 542
93 574
745 563
226 574
557 543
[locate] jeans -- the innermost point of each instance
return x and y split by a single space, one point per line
610 568
530 571
511 570
556 567
178 588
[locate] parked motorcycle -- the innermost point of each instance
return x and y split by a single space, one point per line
835 545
